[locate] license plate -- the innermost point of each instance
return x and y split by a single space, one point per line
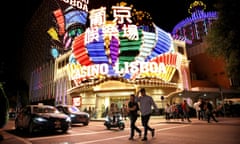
57 124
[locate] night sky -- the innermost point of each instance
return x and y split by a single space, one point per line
16 14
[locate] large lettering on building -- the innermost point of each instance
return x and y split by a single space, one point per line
161 67
113 48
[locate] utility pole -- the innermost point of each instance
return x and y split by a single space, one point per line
223 104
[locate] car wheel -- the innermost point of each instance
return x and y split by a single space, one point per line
17 128
85 123
108 126
64 130
121 126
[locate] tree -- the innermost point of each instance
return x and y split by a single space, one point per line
4 107
223 39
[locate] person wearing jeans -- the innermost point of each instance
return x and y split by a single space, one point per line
146 104
133 114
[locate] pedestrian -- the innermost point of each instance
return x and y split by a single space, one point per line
202 109
197 108
112 112
167 112
185 108
146 104
124 111
209 111
133 109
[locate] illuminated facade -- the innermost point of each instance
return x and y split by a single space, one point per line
195 27
92 65
100 91
110 59
208 76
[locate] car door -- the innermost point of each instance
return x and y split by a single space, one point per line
26 117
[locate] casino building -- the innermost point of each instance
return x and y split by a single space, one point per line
109 60
96 61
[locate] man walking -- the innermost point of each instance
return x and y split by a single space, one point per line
186 110
209 112
146 103
133 114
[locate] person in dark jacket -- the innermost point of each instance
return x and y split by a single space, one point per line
209 111
133 114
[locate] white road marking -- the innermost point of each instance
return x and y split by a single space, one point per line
106 139
100 140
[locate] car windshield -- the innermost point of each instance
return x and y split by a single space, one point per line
44 110
73 109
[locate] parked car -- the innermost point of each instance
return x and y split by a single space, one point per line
12 115
74 113
41 117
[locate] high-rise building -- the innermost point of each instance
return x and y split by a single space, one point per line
208 75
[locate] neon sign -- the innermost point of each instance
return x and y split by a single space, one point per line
80 4
103 69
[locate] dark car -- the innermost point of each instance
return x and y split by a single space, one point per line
12 115
41 117
75 114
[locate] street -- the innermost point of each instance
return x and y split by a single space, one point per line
226 131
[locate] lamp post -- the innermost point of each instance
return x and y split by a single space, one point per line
162 98
221 93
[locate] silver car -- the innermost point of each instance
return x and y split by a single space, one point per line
74 113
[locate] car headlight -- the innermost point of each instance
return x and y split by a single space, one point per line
88 115
68 119
72 115
120 118
39 119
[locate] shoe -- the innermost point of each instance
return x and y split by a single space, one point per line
144 139
140 134
153 132
131 138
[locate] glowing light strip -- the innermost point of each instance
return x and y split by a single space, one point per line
126 42
171 60
80 51
130 46
196 16
60 21
146 48
96 50
114 48
163 43
75 16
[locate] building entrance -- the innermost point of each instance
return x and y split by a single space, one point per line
119 100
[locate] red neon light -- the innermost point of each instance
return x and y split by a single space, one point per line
80 51
60 20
